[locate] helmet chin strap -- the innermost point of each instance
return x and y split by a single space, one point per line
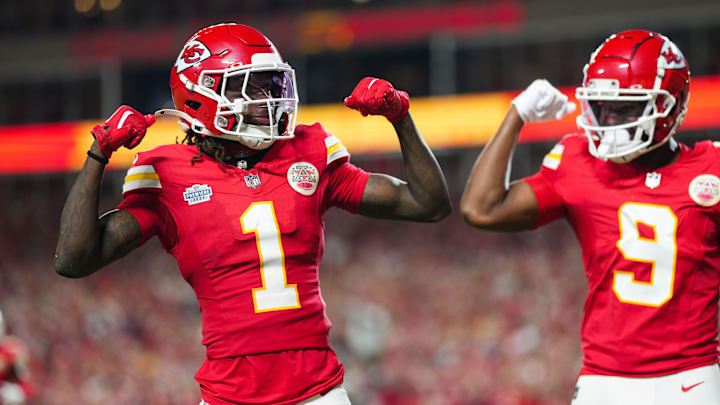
672 144
195 124
262 138
614 141
611 139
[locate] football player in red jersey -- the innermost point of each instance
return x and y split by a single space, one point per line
15 384
239 204
645 210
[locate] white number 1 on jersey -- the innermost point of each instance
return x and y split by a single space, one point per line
659 251
275 293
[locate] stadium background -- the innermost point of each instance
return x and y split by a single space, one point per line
423 314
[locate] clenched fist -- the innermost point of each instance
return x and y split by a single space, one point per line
374 96
542 102
126 127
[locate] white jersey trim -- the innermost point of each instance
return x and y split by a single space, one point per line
552 159
335 149
142 176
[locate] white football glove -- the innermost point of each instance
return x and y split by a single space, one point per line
11 394
542 102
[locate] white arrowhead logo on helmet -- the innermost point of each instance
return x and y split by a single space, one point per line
192 54
671 57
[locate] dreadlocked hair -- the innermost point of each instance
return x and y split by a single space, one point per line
205 144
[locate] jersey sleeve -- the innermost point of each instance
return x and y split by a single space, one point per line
141 198
549 201
345 187
142 176
341 184
154 218
337 153
344 182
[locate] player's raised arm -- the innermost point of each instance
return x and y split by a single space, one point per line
424 197
86 243
489 201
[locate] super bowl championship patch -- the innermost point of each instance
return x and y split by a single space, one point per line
303 178
705 190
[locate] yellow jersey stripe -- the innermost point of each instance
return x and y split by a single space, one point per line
142 176
340 153
138 184
334 148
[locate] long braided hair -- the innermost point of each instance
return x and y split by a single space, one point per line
208 145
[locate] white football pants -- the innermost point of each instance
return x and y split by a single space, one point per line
336 396
698 386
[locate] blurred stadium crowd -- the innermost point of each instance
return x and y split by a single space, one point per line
423 314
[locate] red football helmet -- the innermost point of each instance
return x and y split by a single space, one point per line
642 75
230 82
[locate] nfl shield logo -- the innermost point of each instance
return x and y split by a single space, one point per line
652 180
252 180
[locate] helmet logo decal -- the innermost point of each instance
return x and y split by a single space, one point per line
193 53
670 57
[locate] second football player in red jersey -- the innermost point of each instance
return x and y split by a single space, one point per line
239 204
645 210
16 387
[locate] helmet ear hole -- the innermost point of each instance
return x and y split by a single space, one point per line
193 105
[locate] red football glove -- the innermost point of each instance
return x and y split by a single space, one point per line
378 97
126 128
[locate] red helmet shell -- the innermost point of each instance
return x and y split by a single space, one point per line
640 59
217 47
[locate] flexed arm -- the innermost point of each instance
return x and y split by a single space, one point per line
424 197
489 201
86 243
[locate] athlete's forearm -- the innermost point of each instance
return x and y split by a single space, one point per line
78 248
488 184
425 180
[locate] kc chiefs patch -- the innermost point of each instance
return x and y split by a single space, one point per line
705 190
303 178
193 53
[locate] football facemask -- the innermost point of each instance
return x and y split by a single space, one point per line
259 98
621 122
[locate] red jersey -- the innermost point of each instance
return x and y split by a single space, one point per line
13 353
650 250
249 243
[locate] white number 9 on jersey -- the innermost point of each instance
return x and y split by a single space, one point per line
660 251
